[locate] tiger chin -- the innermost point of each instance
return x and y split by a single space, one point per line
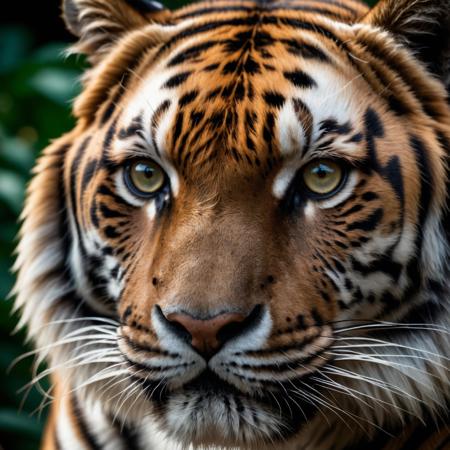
244 241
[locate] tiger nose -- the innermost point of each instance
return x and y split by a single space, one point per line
208 335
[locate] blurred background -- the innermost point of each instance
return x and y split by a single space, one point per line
37 84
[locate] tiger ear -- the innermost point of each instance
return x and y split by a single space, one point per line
99 23
422 25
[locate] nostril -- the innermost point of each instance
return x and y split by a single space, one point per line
175 327
180 330
235 329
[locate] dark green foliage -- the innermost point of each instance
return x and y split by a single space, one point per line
36 88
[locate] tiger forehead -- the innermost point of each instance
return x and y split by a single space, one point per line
251 94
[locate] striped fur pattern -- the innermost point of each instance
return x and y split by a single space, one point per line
348 295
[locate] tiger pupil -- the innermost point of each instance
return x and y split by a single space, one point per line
322 171
147 171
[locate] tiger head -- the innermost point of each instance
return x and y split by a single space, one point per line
244 240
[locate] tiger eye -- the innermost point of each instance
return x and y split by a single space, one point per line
323 177
146 177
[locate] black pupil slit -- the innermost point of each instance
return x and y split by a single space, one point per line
322 171
148 172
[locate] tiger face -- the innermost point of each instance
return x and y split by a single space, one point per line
250 220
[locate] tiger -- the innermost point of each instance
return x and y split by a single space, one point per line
244 241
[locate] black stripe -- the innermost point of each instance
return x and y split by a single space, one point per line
305 50
333 126
188 98
105 190
125 78
426 185
292 364
88 173
93 214
132 130
392 171
74 170
203 28
271 8
306 119
191 53
160 110
130 438
274 99
176 80
306 26
111 232
141 347
369 196
321 11
341 5
220 9
300 79
109 213
249 21
408 77
143 368
178 126
65 236
352 210
368 224
383 264
146 6
86 433
211 67
111 106
284 348
109 136
312 9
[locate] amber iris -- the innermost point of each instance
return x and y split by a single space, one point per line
323 177
146 177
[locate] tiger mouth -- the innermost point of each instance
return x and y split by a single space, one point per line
252 386
278 399
207 383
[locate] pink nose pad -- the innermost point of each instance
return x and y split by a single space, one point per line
205 334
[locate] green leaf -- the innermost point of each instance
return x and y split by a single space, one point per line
14 44
15 422
59 85
50 53
12 188
16 152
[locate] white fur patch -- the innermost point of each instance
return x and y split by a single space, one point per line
343 194
149 96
